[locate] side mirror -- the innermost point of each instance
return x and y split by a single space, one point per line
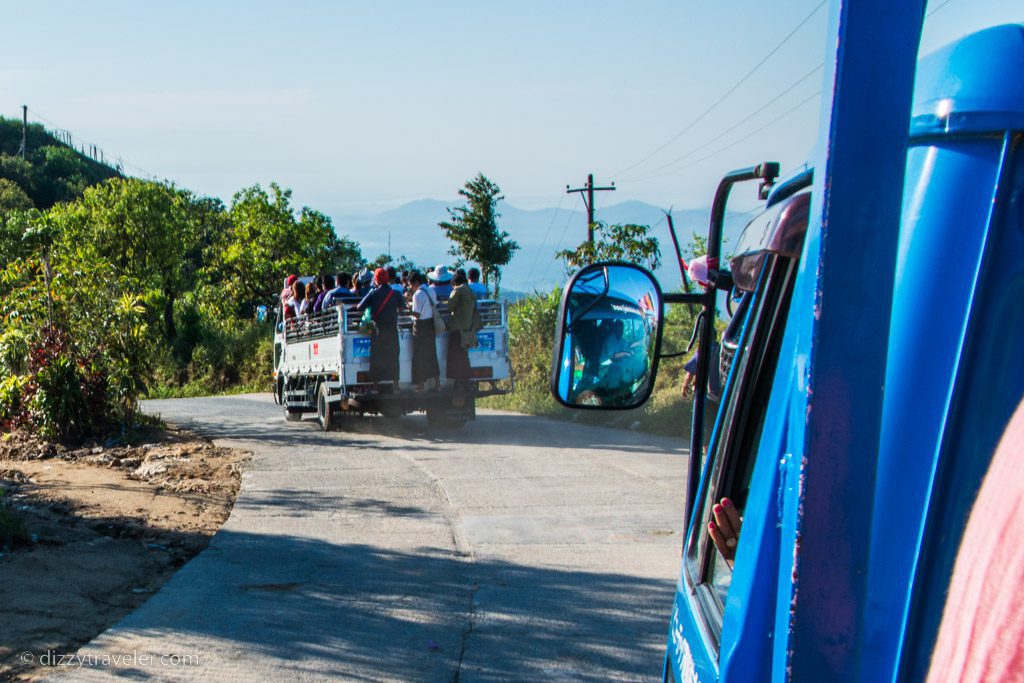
608 336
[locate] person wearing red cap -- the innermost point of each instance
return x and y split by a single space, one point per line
286 293
384 303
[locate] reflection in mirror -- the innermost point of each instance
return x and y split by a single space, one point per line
609 333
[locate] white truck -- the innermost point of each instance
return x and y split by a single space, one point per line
322 365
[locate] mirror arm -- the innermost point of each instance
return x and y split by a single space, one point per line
722 279
679 298
696 331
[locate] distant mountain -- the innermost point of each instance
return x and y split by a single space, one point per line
414 233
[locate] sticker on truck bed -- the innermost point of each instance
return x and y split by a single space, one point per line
484 341
361 347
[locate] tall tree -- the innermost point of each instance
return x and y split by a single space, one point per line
473 229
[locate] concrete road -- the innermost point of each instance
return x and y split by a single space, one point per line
519 548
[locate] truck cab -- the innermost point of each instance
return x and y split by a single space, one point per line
860 407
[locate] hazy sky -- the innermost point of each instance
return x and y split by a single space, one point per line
377 103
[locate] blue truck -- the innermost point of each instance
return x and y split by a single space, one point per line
874 357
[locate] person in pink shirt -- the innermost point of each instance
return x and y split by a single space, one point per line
982 633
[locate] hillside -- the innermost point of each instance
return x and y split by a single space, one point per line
52 172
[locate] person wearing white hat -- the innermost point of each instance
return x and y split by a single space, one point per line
440 280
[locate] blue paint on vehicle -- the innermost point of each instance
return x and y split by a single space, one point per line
361 347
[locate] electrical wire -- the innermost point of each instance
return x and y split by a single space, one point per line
547 233
73 139
728 92
937 8
733 143
736 125
562 238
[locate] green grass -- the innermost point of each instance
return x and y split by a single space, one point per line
200 389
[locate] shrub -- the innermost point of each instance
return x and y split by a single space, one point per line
66 395
58 404
12 389
13 352
213 355
531 327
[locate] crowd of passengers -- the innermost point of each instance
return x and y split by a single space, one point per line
382 295
300 300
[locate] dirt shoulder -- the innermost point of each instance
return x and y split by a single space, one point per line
105 528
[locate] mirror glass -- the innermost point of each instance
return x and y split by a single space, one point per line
610 323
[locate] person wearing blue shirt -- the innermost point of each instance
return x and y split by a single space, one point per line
341 294
475 285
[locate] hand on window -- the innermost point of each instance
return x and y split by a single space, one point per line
724 529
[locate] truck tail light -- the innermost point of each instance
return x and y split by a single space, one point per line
486 371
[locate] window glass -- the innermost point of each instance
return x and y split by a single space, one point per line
752 367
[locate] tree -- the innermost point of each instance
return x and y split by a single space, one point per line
13 197
265 242
474 230
628 242
144 230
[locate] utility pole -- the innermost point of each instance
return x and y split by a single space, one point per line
24 131
588 200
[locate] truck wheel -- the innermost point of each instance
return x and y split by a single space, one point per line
293 414
324 410
438 419
391 411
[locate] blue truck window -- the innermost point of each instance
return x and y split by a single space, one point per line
728 471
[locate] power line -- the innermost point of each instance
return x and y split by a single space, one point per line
735 125
733 143
547 233
562 238
728 92
937 8
775 99
89 149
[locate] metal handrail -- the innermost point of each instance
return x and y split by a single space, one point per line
330 322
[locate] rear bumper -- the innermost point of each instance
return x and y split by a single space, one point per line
420 400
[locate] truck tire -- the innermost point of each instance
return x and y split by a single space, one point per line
439 419
391 411
324 410
293 414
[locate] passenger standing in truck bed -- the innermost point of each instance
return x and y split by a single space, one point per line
478 287
383 303
424 333
440 282
461 304
342 293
